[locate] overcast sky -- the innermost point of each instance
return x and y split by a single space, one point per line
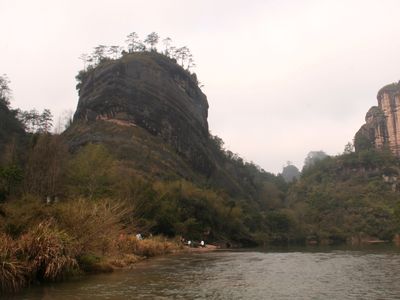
282 77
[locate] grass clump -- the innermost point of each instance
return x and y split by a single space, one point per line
62 239
91 263
94 224
13 272
150 247
48 251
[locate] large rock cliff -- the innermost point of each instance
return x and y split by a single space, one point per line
152 116
382 127
146 91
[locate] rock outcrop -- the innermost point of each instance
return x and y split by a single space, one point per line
382 127
149 91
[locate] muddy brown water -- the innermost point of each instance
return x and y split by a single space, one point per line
290 273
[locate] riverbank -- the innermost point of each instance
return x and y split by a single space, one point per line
206 248
153 249
39 258
286 273
44 255
49 243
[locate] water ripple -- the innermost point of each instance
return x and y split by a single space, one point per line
334 274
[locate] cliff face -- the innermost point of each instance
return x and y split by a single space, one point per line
389 102
382 127
151 92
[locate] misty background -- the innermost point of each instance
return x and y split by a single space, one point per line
282 77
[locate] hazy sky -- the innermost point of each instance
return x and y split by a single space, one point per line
282 77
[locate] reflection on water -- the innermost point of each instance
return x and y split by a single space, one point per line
266 274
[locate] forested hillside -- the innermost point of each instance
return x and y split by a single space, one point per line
352 197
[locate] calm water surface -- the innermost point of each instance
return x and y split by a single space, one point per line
372 273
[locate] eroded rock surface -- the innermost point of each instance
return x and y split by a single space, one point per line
150 91
382 127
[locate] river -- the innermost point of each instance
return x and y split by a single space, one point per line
299 273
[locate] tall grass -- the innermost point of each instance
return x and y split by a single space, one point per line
94 225
148 247
63 238
13 272
49 252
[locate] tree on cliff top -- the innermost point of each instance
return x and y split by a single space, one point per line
114 51
103 53
167 43
152 40
99 53
132 39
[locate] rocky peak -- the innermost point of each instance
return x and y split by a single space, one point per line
150 91
382 128
142 89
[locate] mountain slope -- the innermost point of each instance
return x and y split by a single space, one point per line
151 115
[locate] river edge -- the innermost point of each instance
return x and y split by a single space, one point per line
126 262
288 274
114 264
196 253
130 263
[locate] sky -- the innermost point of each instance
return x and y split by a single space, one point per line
282 77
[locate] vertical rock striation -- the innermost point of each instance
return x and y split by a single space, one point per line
382 127
150 91
389 102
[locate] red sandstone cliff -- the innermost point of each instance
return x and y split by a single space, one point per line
382 127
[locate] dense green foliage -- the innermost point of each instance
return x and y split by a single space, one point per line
245 212
351 197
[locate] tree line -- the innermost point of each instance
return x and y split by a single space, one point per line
133 43
32 120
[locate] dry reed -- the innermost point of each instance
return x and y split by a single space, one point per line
49 252
13 272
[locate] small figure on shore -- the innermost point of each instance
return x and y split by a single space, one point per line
202 244
189 243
